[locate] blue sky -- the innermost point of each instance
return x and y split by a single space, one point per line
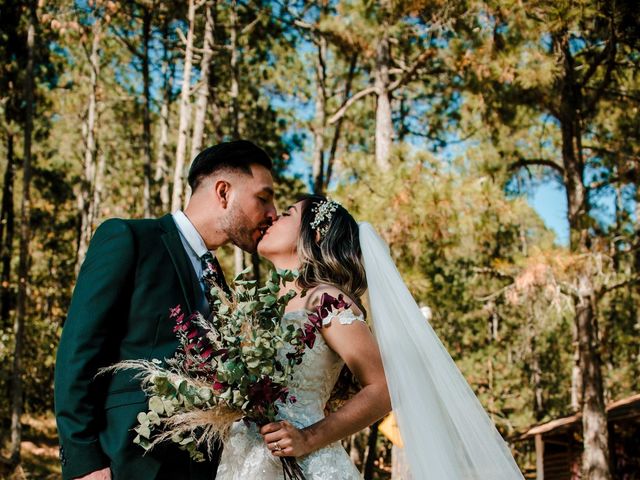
547 199
550 201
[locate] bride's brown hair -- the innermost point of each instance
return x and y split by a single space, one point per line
334 257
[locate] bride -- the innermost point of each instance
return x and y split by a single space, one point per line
446 433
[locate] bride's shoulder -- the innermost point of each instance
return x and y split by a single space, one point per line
332 299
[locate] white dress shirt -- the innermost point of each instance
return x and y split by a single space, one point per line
195 248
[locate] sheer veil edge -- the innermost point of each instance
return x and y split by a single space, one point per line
445 430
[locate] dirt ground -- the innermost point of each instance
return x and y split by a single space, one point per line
39 450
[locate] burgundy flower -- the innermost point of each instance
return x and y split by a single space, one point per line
219 386
206 354
315 319
265 392
192 334
174 312
327 305
309 335
180 323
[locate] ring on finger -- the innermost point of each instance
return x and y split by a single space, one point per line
277 447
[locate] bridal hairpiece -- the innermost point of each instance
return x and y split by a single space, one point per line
323 213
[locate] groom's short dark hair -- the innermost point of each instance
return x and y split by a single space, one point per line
238 154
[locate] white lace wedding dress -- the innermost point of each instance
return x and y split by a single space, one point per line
245 455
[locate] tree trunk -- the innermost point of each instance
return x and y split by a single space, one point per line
235 81
203 89
576 373
255 263
238 259
146 119
320 122
384 124
23 263
354 449
161 174
491 400
185 114
372 452
403 110
98 188
338 128
7 230
234 93
217 133
536 381
85 194
202 100
595 458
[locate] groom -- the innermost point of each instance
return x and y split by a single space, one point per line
133 273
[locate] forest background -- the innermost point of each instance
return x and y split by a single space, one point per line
435 120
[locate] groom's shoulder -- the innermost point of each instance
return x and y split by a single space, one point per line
138 227
136 223
112 227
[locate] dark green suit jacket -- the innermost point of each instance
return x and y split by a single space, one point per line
133 273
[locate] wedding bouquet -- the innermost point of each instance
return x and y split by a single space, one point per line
226 368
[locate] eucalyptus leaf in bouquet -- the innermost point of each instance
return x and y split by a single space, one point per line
226 368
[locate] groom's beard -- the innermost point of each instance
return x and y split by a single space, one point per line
242 233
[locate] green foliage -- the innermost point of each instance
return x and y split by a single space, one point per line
228 367
457 240
477 124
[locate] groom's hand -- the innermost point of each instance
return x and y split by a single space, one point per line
104 474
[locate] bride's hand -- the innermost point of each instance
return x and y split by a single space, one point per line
285 440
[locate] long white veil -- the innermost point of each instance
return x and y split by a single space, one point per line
446 433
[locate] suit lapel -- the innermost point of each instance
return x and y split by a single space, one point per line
181 262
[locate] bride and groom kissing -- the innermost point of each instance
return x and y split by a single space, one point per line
136 270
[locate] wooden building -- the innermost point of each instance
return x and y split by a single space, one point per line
558 443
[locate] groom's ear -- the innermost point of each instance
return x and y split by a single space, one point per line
221 190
